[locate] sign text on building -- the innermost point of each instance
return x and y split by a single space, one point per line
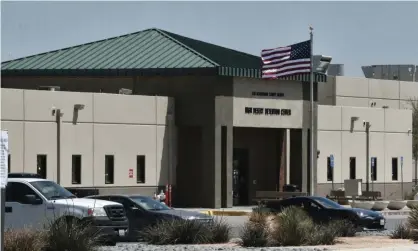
268 111
268 94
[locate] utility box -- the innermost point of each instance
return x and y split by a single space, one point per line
353 187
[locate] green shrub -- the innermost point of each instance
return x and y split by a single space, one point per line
70 234
24 240
254 235
401 232
323 235
292 228
258 216
343 228
413 218
170 232
220 231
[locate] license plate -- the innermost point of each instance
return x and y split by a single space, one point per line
121 232
382 222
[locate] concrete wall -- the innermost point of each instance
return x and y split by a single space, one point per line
364 92
389 138
110 124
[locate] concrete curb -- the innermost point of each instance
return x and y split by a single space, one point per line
225 213
243 213
393 248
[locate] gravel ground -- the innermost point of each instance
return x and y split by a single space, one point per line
236 222
223 247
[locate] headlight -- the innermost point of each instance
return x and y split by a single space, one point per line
361 214
97 211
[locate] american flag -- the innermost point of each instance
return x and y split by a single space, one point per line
288 60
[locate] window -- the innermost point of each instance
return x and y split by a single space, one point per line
374 169
330 170
9 163
16 192
352 168
41 165
109 169
394 168
140 169
76 169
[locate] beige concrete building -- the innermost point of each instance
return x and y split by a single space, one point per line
199 118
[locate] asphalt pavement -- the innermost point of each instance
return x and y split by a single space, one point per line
236 223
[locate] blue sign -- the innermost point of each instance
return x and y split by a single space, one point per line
331 160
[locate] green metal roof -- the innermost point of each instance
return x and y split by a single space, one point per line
147 52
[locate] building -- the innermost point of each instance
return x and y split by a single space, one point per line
392 72
199 118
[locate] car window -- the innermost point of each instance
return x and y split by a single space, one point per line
125 202
51 190
16 192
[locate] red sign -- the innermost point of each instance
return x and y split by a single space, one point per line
131 173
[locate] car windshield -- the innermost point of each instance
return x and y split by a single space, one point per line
150 204
327 203
51 190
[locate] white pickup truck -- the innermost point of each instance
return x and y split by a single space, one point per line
34 202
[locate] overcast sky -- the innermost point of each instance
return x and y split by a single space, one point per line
353 33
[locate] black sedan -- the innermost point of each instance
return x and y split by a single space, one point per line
143 211
323 210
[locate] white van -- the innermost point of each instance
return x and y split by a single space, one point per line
35 202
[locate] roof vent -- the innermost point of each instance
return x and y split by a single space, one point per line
125 91
49 88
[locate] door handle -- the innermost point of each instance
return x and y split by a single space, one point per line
8 209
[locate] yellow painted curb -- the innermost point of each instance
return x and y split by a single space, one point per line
228 213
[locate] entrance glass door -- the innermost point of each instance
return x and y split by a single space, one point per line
240 177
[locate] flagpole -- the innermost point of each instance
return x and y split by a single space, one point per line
311 134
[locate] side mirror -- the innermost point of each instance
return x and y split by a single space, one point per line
33 200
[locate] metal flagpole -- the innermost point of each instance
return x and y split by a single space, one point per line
312 155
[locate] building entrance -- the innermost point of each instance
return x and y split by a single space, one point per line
240 176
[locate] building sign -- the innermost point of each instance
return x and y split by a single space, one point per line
268 111
268 94
131 173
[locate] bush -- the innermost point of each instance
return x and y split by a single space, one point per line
221 231
23 240
254 234
293 228
71 235
413 218
170 232
323 234
401 232
344 228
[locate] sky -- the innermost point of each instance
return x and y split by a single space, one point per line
352 33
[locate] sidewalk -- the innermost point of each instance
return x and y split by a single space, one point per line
246 210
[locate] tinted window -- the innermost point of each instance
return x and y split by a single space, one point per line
330 170
15 192
149 204
327 203
109 169
352 168
41 165
51 190
394 168
76 169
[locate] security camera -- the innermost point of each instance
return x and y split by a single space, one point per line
78 107
364 122
53 111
